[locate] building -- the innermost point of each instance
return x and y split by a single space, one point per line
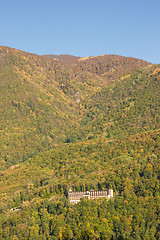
75 197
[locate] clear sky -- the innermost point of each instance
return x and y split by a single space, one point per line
82 27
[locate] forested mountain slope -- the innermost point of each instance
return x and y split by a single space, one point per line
130 106
64 59
41 102
33 193
109 66
35 112
91 124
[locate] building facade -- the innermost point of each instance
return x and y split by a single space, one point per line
75 197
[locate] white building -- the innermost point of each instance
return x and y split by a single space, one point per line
75 197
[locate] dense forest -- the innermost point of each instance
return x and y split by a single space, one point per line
86 123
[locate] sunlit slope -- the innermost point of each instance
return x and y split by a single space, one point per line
109 67
130 106
43 101
92 164
34 199
63 127
35 113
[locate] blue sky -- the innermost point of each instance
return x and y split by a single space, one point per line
82 27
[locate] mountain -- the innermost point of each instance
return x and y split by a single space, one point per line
86 123
63 59
126 108
109 66
41 100
35 112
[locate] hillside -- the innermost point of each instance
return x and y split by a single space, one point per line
33 196
41 100
126 108
35 112
63 59
90 123
109 66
